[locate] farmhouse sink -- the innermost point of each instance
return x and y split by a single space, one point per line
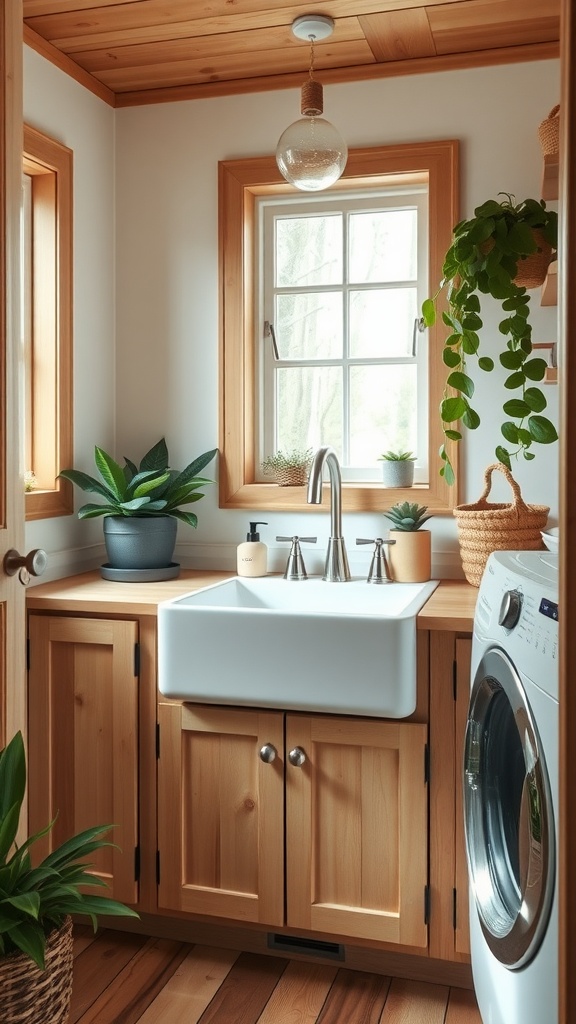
307 645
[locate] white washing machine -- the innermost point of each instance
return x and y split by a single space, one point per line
511 790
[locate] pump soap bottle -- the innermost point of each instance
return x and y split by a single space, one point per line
252 558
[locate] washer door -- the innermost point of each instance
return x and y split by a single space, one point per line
509 823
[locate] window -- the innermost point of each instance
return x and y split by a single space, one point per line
377 183
344 278
47 321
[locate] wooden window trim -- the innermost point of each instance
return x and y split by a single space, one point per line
49 163
240 182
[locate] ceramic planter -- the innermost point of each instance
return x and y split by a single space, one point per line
410 558
140 542
397 472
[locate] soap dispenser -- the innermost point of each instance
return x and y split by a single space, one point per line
252 557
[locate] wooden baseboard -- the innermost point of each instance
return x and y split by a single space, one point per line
248 940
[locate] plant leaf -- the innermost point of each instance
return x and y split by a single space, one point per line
87 483
461 382
535 399
503 456
535 369
111 473
157 458
542 430
486 363
452 409
516 407
429 312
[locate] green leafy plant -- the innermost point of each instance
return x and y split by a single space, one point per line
150 489
35 900
485 257
292 458
407 516
391 456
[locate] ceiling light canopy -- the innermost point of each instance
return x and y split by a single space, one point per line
311 154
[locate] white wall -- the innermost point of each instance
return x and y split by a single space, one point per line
167 236
58 106
162 203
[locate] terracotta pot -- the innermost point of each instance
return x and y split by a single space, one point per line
410 557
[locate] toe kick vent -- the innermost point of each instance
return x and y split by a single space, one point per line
306 947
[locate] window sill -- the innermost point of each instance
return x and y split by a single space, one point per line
355 498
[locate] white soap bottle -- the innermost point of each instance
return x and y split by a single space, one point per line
252 555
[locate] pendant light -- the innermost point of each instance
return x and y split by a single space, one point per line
311 154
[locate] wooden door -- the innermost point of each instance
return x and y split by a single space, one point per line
12 612
83 728
356 828
221 812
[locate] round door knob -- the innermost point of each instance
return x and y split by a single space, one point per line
268 753
32 564
297 757
510 609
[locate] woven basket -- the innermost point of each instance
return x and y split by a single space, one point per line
549 132
31 996
291 476
485 526
532 269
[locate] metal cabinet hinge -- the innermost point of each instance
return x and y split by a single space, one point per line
426 904
454 908
137 660
137 863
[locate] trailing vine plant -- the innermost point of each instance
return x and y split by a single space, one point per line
486 254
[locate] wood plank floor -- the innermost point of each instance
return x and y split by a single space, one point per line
122 978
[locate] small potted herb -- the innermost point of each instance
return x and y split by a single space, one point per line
290 467
397 468
410 555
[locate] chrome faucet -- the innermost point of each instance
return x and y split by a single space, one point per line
336 569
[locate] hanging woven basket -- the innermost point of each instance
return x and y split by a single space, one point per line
532 269
549 132
486 526
31 996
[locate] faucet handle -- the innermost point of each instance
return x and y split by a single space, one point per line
379 571
295 568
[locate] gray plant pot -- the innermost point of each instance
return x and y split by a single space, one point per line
134 542
397 473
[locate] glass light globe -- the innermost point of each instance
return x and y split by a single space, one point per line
311 154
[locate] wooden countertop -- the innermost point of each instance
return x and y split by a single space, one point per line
451 606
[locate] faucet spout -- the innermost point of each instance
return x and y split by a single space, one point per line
336 568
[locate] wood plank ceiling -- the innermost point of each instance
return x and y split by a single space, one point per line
145 51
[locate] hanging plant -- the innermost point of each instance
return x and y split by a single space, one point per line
488 254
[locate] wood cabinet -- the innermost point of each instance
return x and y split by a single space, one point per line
83 729
345 798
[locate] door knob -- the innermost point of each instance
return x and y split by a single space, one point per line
32 564
297 757
268 753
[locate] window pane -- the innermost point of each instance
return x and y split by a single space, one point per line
308 251
383 246
383 411
309 325
382 322
309 403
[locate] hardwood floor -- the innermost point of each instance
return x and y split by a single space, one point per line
122 978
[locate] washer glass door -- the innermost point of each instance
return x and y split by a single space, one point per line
508 814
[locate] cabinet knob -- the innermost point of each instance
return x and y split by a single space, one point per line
268 753
32 564
297 757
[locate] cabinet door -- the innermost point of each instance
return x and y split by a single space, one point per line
461 916
83 728
356 827
221 812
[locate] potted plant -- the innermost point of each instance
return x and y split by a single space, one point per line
410 555
36 955
397 468
503 250
142 506
290 467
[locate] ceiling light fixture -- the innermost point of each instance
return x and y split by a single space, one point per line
311 154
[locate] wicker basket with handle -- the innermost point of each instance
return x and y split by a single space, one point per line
31 996
486 526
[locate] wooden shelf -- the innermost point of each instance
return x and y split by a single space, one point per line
550 176
549 295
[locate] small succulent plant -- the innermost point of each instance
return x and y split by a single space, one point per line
407 516
287 459
391 456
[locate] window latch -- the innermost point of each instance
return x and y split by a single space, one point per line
419 328
269 332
